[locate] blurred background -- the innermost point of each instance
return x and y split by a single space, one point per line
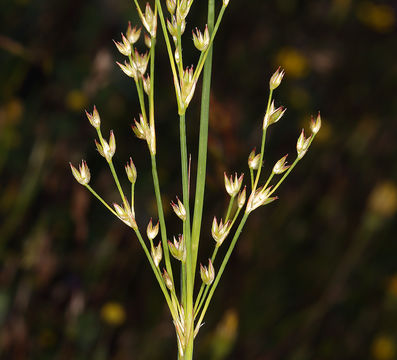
314 275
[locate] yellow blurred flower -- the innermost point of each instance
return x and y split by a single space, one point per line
113 313
383 199
379 17
383 348
76 100
392 286
293 61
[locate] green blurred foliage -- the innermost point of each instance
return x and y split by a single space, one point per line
315 272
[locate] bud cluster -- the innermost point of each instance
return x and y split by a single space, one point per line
233 186
220 231
178 248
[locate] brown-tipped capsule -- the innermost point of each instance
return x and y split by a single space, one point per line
126 215
140 128
276 78
128 69
171 6
273 115
178 248
148 41
131 172
167 280
123 47
219 232
207 273
281 165
94 118
146 84
149 20
253 160
259 198
241 198
188 86
315 125
157 254
82 175
141 61
179 209
302 145
200 40
133 33
233 186
152 231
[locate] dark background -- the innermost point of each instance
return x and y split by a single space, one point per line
314 275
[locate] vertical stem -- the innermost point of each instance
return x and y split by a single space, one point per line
203 142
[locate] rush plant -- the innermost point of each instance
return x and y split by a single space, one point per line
189 302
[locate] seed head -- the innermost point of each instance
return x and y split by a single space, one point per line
107 150
172 27
315 125
171 6
141 61
253 160
233 186
128 69
276 78
130 170
281 165
152 231
146 84
140 128
259 198
94 118
241 198
123 47
133 33
82 175
178 248
148 41
188 86
167 280
126 215
149 21
179 209
207 274
201 41
219 232
302 144
273 115
157 254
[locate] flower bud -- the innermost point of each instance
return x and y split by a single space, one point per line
148 41
124 47
152 231
157 254
207 274
179 209
128 69
133 33
276 78
149 20
126 215
130 170
259 198
188 86
141 61
140 128
233 186
253 160
172 27
82 175
146 84
273 115
167 280
106 149
178 248
201 41
241 198
302 144
219 232
315 125
171 6
281 165
94 118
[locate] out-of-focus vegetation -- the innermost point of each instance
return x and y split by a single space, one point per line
314 275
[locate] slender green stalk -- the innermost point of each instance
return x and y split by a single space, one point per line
93 192
229 208
203 142
221 270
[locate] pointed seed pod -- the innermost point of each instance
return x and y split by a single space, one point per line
253 160
148 41
201 41
276 79
82 175
179 209
233 186
219 232
133 34
152 231
241 198
171 6
315 125
302 145
259 198
207 274
281 165
167 280
178 248
128 69
123 47
146 84
149 21
157 254
94 118
131 172
126 215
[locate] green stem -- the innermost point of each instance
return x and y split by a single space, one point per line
221 269
160 211
203 143
229 208
93 192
